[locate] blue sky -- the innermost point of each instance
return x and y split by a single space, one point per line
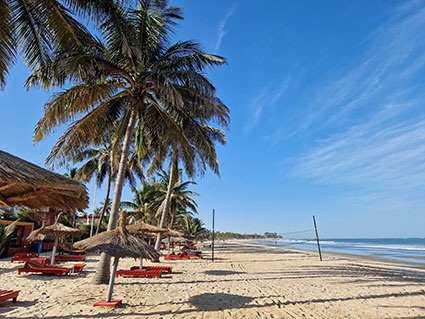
327 115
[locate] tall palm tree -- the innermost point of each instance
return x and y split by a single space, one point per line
134 77
180 198
204 144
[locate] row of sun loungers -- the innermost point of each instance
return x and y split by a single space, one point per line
41 265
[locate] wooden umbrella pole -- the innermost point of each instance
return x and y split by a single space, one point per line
54 251
112 279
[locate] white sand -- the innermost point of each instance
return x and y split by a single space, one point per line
245 281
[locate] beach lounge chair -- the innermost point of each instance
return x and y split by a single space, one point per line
9 294
184 255
76 267
64 248
25 256
41 260
164 269
34 266
68 257
139 273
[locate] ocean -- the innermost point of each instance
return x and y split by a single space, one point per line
399 249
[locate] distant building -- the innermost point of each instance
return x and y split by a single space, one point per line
86 220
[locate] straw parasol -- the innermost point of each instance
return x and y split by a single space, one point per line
171 233
25 184
174 233
180 240
58 230
35 235
141 230
117 243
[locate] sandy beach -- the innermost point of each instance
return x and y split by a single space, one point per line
245 281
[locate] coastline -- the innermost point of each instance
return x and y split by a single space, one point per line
353 257
245 281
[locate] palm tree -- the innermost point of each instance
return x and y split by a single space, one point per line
102 161
203 141
146 201
37 28
135 78
194 226
180 199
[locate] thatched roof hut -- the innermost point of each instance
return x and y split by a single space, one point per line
25 184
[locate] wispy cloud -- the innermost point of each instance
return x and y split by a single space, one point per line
221 27
268 96
376 115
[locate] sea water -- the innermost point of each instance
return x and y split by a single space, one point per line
400 249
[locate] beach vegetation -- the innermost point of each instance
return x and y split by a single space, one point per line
134 77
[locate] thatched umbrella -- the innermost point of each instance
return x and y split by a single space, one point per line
172 233
142 229
59 230
117 243
35 236
180 240
25 184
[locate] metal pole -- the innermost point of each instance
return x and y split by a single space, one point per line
112 279
317 238
212 247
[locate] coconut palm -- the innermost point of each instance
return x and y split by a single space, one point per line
180 199
145 201
134 78
194 226
204 144
36 28
102 162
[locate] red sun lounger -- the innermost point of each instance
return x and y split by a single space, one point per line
77 267
139 273
165 269
183 255
41 260
67 257
9 294
34 266
62 248
25 256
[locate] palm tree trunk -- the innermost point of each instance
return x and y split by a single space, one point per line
103 271
173 217
105 203
166 207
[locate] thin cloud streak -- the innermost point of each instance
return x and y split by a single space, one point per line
376 114
221 27
268 96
